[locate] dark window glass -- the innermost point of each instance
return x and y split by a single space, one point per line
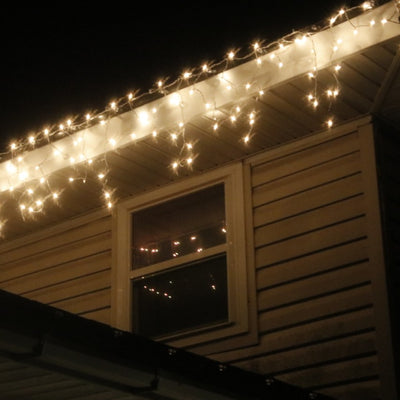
191 296
178 227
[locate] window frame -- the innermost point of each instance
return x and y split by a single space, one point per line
235 248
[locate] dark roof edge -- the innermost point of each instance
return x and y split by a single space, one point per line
46 336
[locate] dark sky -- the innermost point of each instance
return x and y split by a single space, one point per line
70 59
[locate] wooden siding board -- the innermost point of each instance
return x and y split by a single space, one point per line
313 286
75 251
311 242
309 221
337 373
361 390
312 264
85 303
306 158
346 324
308 200
61 273
259 359
71 288
316 308
73 235
307 179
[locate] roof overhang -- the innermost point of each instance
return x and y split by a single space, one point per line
148 145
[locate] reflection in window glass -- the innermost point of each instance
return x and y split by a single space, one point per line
178 227
192 296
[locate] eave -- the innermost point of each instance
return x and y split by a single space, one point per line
277 96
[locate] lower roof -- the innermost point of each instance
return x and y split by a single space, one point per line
46 353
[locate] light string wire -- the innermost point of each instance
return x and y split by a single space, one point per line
31 196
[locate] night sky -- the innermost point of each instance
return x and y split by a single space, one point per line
71 59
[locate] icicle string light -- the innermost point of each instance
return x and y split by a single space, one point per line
33 186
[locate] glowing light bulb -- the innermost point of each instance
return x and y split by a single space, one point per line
42 180
280 64
154 133
69 122
372 22
256 46
259 62
261 92
22 206
329 123
175 165
107 195
88 117
175 99
341 12
71 179
160 84
30 191
101 176
31 140
130 96
338 68
113 105
366 5
215 126
113 142
383 21
231 55
315 103
246 138
187 75
109 204
23 176
174 136
205 68
13 146
233 118
248 86
55 195
143 118
189 161
355 32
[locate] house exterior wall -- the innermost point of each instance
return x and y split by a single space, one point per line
66 266
318 264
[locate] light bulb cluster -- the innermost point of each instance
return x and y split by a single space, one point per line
32 188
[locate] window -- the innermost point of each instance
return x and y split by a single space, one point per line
180 262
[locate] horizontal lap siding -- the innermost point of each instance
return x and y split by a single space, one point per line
315 308
68 269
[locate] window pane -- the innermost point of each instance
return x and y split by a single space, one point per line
188 297
181 226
